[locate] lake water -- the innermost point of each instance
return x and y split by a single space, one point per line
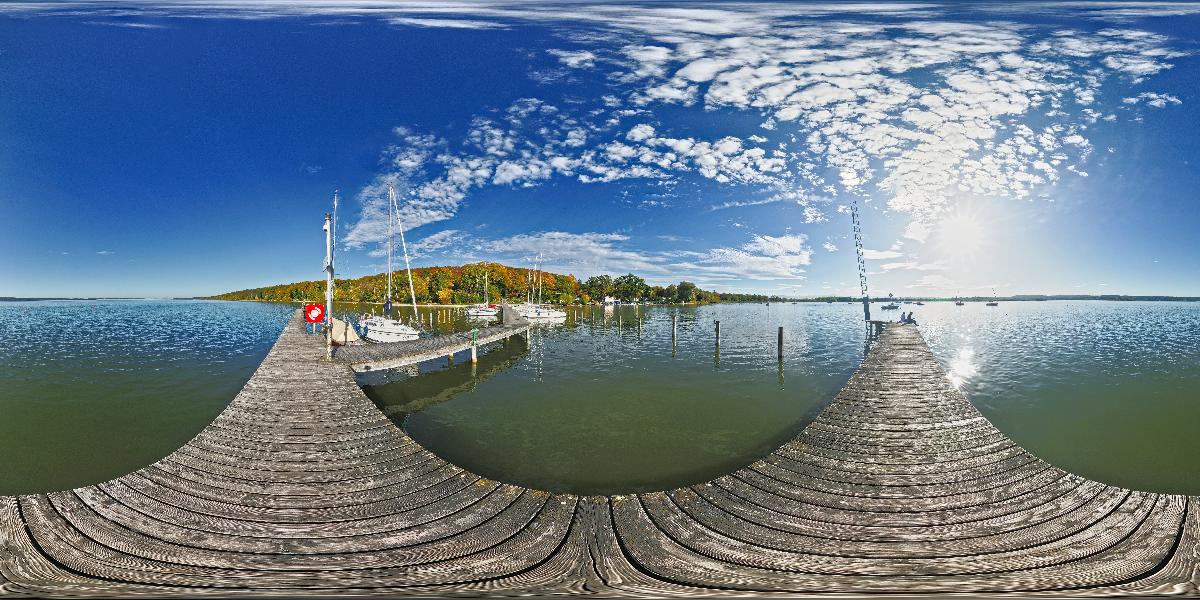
91 390
606 403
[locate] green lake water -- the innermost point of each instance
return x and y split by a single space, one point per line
606 403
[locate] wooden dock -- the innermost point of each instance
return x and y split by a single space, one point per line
374 357
302 487
367 357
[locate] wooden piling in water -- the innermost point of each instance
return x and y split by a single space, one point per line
780 342
718 324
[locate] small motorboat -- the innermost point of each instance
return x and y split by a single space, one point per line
890 306
920 304
992 304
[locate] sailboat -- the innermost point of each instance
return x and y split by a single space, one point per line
536 311
383 328
487 310
993 302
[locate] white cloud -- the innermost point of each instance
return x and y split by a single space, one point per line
1153 99
829 246
576 59
934 284
448 23
880 254
764 257
582 253
913 265
127 24
105 252
435 242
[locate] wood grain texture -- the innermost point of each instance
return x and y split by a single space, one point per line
303 487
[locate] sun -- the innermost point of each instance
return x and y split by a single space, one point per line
961 235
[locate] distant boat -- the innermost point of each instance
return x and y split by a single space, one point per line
890 306
486 310
920 304
993 302
536 311
383 328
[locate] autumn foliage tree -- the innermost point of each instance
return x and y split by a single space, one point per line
465 285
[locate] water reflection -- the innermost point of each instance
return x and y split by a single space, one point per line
410 391
630 398
962 367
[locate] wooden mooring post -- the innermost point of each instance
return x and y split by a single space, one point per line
781 342
674 328
718 324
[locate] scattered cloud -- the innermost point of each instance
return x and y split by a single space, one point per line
935 283
105 252
1153 99
913 265
127 24
829 246
585 254
443 22
435 242
880 254
576 59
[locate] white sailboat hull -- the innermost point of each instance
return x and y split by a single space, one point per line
389 330
482 311
539 313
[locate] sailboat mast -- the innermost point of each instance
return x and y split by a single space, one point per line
387 301
412 291
330 246
485 288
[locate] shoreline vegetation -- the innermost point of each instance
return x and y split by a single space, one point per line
463 285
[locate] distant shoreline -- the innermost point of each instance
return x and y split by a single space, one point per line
819 300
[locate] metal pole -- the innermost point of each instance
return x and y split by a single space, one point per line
328 285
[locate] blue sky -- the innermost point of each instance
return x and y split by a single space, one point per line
178 149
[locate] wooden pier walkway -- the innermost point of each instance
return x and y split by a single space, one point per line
302 487
374 357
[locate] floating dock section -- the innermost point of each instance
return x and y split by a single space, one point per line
303 487
369 357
